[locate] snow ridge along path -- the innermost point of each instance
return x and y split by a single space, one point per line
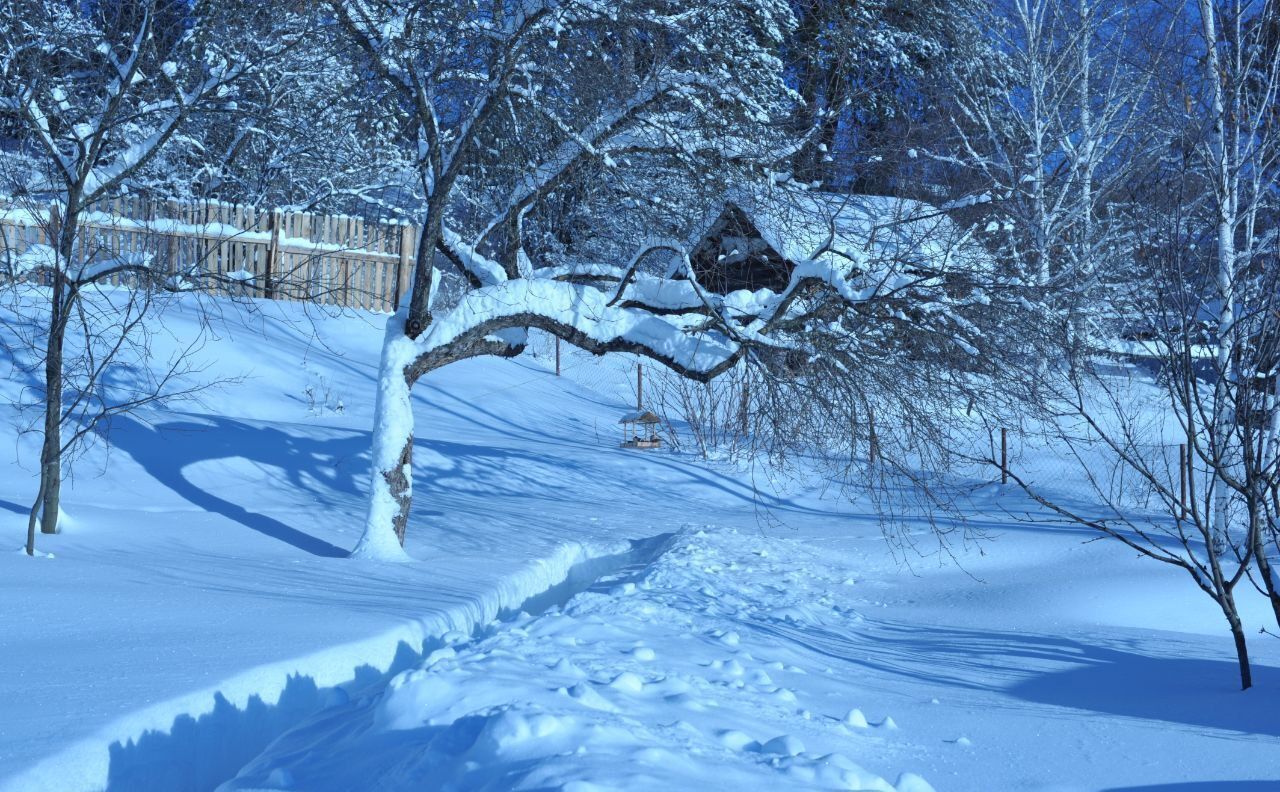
708 668
191 741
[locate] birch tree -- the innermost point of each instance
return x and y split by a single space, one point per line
1183 464
1240 154
1055 129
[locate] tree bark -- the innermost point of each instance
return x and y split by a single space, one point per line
32 520
1267 573
1227 601
51 447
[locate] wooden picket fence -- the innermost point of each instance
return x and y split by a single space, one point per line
233 249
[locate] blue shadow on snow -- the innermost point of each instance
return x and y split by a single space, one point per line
1050 670
164 450
201 752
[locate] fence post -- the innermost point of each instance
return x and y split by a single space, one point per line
557 356
1004 455
214 260
273 255
345 231
55 240
1183 462
403 266
55 226
174 246
873 440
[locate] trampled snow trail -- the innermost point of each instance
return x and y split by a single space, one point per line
684 673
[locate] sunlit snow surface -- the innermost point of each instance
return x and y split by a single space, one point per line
711 668
198 624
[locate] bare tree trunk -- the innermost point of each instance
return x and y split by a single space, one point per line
1227 602
419 316
51 448
1266 571
32 519
1086 143
399 482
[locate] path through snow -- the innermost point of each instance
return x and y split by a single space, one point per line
693 672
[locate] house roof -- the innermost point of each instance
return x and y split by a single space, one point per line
851 232
641 417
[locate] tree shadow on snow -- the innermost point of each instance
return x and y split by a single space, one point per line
1191 691
1113 680
166 449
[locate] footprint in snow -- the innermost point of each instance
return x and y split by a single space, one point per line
784 695
728 667
784 745
735 740
910 782
627 682
588 697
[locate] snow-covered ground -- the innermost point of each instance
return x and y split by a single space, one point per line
197 625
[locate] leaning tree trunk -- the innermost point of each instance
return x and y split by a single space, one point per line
391 485
1266 571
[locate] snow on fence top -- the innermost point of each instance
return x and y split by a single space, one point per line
228 249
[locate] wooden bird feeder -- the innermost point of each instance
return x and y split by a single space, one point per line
640 430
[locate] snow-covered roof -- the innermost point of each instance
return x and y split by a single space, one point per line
643 417
851 232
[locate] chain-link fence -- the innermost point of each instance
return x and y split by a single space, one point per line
1143 476
1078 474
612 376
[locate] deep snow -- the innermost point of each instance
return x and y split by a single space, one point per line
200 605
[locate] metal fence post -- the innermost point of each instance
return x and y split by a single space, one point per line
1183 462
873 441
1004 455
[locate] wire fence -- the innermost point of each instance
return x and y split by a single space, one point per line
613 376
1140 476
1079 474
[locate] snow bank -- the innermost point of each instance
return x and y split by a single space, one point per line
88 764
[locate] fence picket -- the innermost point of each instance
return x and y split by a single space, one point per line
334 259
